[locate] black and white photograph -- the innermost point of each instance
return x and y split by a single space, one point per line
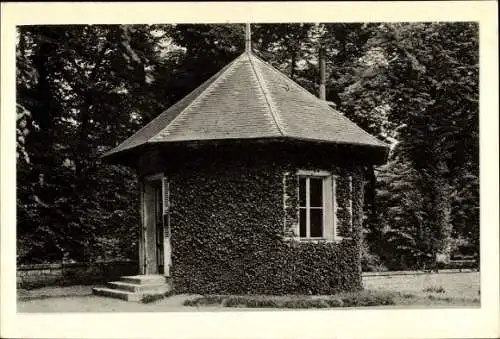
249 166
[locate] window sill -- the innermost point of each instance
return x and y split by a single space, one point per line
317 240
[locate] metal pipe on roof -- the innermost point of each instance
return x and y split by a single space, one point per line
322 74
248 38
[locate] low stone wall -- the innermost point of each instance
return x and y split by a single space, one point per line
39 275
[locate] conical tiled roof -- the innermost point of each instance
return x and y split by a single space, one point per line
249 99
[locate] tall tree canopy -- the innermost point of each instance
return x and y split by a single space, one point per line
83 89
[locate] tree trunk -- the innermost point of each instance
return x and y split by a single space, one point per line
39 143
440 214
82 153
293 62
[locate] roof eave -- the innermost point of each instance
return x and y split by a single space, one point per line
128 157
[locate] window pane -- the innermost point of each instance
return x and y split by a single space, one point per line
302 221
302 191
316 189
316 223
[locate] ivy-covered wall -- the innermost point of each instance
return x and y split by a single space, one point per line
229 220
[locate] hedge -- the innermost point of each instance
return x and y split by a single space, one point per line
228 222
366 298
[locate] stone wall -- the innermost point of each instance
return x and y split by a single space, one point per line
39 275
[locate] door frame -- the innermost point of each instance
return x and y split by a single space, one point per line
146 218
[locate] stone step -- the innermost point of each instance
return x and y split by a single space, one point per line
145 279
134 288
125 286
117 294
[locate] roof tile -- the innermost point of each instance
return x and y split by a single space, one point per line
249 99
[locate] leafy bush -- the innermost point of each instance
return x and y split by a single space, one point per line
370 262
434 289
434 298
150 298
368 299
408 295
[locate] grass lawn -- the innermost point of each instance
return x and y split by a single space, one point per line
426 290
460 289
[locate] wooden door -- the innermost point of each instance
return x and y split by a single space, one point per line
149 237
159 228
155 246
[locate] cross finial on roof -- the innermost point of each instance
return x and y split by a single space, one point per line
248 38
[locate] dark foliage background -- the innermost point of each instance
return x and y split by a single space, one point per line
83 89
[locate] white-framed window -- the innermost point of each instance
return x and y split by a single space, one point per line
316 205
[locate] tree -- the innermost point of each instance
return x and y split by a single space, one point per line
440 66
83 89
285 46
427 81
76 84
